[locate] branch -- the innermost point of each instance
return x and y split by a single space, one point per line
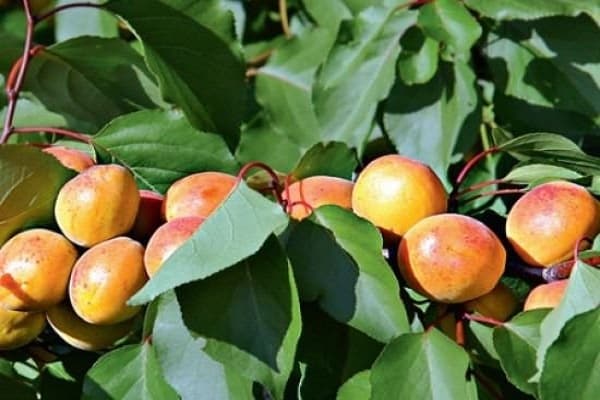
59 131
66 7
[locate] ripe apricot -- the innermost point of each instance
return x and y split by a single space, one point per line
104 278
395 192
451 258
149 215
544 225
499 304
82 335
98 204
316 191
70 158
166 240
34 268
19 328
197 195
547 295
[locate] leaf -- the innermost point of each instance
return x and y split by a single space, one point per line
138 377
345 271
328 14
516 342
533 9
237 229
12 385
331 159
32 113
356 388
440 111
421 366
530 173
136 139
573 361
64 377
448 21
202 76
29 183
89 88
83 21
358 74
190 371
418 60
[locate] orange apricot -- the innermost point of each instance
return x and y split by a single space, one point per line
149 215
312 192
544 225
499 304
547 295
70 158
104 278
451 258
168 238
98 204
395 192
19 328
198 195
34 270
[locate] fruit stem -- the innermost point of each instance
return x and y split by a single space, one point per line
520 270
58 131
290 206
482 319
478 186
459 332
562 270
495 193
285 23
274 178
65 7
462 175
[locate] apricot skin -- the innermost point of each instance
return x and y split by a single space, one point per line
318 191
82 335
98 204
451 258
197 195
149 215
168 238
19 328
547 295
71 158
499 304
545 224
35 266
104 278
395 192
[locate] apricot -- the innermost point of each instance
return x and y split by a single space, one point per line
82 335
34 268
451 258
316 191
168 238
395 192
547 295
197 195
104 278
98 204
499 304
149 215
544 225
19 328
70 158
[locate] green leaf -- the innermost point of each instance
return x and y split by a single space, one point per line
530 173
573 362
516 342
328 14
438 112
448 21
83 21
195 68
32 113
88 87
29 183
421 366
356 388
533 9
63 378
127 373
358 74
331 159
418 60
237 229
346 273
190 371
13 386
136 140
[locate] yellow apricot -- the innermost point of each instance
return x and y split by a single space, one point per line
98 204
19 328
316 191
168 238
34 270
70 158
82 335
544 225
104 278
451 258
499 304
395 192
197 195
547 295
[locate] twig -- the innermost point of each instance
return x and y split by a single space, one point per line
59 131
285 24
66 7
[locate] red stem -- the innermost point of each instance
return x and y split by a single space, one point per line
59 131
495 193
482 319
462 175
66 7
274 178
480 185
290 206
